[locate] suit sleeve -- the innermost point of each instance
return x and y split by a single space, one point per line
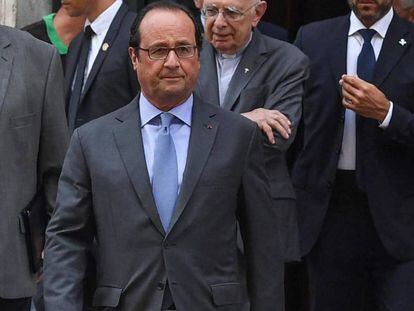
54 134
259 231
69 234
401 127
287 97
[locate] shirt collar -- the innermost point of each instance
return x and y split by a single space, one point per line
104 20
148 111
381 26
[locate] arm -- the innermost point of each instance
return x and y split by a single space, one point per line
259 232
368 101
54 134
283 108
69 234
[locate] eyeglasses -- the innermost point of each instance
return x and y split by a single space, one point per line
161 53
229 13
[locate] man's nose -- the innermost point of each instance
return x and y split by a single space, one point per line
172 59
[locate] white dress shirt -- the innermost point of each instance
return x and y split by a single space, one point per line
100 27
180 131
347 156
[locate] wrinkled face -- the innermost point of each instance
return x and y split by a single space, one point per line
229 36
166 83
370 11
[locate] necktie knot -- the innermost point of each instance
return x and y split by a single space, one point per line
367 34
88 32
166 119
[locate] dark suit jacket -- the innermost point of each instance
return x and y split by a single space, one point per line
33 141
274 80
390 188
112 82
105 192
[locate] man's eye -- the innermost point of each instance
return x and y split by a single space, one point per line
211 12
232 14
158 51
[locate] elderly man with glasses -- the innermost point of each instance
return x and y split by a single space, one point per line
262 79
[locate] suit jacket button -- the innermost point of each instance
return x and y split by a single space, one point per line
160 286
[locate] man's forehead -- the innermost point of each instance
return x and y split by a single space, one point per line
227 3
167 26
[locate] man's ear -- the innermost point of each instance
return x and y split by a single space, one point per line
411 15
134 57
198 4
259 12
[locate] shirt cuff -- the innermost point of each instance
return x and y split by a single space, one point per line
386 122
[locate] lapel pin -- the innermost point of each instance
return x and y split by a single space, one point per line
402 42
105 47
246 70
209 126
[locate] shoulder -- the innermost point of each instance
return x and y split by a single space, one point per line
273 30
25 45
280 54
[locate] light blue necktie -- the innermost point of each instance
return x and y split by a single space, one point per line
165 171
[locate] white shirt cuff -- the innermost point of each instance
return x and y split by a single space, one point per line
386 122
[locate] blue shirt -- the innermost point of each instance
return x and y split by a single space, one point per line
180 131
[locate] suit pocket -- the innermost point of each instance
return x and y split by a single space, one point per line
227 294
106 296
22 121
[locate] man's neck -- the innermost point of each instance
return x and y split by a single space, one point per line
99 7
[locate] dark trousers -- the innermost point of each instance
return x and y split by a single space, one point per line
21 304
349 269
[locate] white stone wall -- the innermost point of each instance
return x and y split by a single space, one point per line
19 13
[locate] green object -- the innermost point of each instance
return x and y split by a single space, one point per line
53 36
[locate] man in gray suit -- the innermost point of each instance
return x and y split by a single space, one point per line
32 146
163 199
261 78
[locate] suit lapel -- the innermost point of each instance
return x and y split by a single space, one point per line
252 59
109 40
133 157
392 50
207 85
71 63
338 49
203 133
6 61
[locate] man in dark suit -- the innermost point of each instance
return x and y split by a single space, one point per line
354 176
161 184
33 141
262 79
101 54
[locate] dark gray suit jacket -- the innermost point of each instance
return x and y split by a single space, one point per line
105 192
270 75
33 141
